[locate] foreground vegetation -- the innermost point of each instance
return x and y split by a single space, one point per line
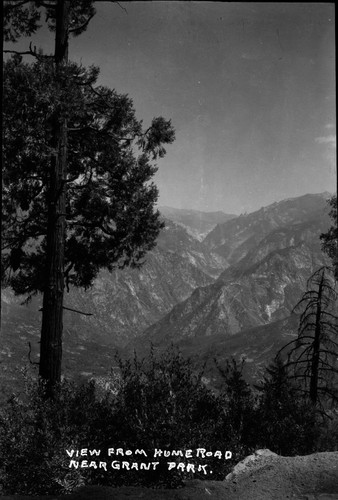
156 403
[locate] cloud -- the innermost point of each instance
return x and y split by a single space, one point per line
330 126
331 140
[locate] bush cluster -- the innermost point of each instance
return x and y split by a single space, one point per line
160 403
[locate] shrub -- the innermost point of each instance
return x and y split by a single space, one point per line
238 406
159 402
162 404
287 422
35 432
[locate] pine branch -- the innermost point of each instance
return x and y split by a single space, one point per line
76 311
19 52
83 26
30 52
309 295
285 346
325 390
291 363
330 342
305 337
328 351
73 310
329 368
297 340
118 3
311 303
331 315
123 8
331 328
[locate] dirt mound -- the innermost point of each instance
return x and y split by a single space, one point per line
261 476
266 475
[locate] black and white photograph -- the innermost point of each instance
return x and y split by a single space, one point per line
169 251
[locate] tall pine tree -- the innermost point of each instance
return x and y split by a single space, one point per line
78 165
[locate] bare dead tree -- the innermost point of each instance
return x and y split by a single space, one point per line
312 356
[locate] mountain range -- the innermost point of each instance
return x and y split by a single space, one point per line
196 223
231 293
262 287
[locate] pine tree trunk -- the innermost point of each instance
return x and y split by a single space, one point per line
316 346
52 311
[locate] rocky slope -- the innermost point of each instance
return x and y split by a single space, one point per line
233 239
123 303
261 288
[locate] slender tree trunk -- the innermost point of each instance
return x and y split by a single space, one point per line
52 311
316 346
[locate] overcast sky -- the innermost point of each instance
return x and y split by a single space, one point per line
249 87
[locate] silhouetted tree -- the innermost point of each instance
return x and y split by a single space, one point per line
238 400
78 166
312 357
330 238
285 420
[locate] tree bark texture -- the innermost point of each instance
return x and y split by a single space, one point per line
52 310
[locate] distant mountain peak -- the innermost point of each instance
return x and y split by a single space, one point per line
196 222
